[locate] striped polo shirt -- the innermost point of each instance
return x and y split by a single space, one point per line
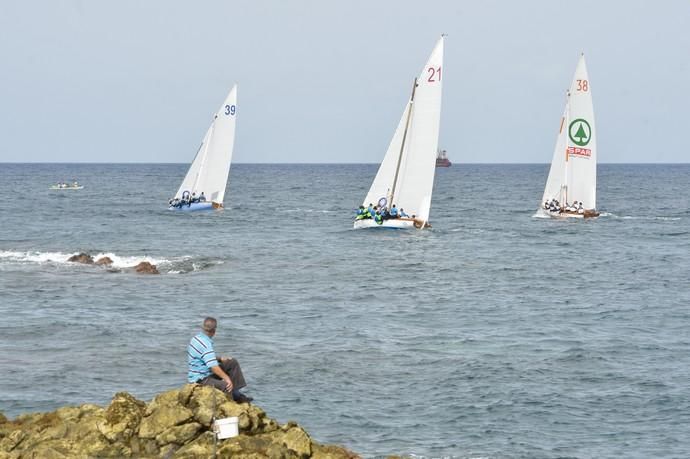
200 357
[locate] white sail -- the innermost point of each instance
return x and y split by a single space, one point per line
412 151
381 186
582 142
555 183
193 172
209 170
573 173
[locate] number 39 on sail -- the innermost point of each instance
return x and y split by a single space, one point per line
571 188
203 188
400 196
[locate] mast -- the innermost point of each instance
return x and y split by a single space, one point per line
565 169
402 145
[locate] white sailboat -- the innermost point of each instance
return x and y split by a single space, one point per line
405 178
203 187
571 188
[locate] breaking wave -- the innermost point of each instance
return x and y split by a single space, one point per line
175 265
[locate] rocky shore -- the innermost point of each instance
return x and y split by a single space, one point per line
175 424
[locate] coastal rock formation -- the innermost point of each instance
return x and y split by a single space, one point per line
81 258
175 424
146 268
104 261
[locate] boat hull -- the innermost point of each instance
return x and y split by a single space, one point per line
67 188
563 215
394 223
195 206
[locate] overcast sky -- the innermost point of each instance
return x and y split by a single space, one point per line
326 81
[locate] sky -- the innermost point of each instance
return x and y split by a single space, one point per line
327 81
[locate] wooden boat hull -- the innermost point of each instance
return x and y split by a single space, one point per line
561 215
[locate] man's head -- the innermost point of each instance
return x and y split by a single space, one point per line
209 326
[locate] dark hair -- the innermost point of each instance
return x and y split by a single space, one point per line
209 324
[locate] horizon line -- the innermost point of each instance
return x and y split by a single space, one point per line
323 164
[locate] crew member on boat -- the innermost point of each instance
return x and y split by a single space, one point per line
394 212
202 197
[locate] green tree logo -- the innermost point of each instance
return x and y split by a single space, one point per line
580 132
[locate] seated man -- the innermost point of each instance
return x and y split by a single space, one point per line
403 214
202 197
207 369
394 212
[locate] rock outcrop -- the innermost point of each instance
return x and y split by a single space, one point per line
84 258
175 424
145 267
104 261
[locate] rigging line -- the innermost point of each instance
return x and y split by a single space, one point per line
205 154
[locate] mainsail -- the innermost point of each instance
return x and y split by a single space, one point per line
209 170
573 174
406 174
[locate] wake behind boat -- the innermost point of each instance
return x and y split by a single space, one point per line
203 188
571 187
404 182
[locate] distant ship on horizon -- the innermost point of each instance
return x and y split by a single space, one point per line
442 159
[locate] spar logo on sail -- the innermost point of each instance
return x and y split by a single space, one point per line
580 134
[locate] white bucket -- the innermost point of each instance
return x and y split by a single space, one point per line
226 428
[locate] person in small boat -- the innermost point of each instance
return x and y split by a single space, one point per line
580 209
394 212
378 218
202 197
403 214
384 213
371 210
206 368
194 199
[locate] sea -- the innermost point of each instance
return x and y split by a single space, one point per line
494 334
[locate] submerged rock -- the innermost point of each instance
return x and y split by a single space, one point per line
81 258
146 268
175 424
104 261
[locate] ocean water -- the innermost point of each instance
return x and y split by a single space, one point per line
493 335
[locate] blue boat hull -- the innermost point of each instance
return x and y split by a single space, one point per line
193 207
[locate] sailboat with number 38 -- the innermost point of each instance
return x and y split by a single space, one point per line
405 179
571 188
